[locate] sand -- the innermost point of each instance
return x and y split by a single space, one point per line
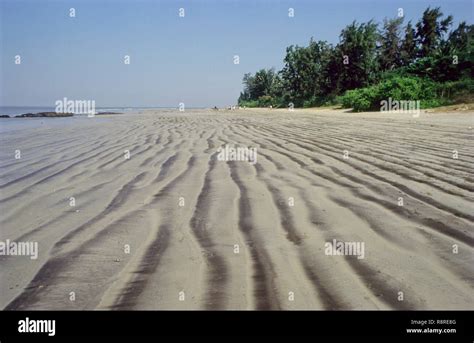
173 227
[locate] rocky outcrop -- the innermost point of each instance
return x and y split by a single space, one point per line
44 115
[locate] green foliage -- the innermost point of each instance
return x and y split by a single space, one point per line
428 92
265 100
249 103
408 48
457 91
431 103
406 88
304 72
321 101
362 99
430 30
421 62
263 83
390 53
358 47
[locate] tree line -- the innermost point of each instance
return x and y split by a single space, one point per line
426 60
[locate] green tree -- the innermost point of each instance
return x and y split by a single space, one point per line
358 55
259 84
408 48
389 56
262 89
376 65
430 30
455 58
302 70
331 74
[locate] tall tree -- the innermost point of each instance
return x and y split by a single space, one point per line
260 84
263 82
389 56
332 72
303 72
408 49
317 72
358 55
455 58
430 30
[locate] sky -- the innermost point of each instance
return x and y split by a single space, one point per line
173 59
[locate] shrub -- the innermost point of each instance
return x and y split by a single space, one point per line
249 103
265 101
361 99
430 93
434 103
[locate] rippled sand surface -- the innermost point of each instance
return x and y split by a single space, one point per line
173 227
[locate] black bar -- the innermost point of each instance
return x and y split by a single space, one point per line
244 323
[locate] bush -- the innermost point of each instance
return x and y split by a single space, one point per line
248 103
428 92
394 85
434 103
362 99
265 101
456 89
317 101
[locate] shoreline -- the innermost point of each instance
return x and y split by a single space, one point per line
461 107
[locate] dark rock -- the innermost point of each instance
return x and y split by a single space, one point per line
4 116
44 115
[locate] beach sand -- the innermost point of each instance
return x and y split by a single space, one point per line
173 227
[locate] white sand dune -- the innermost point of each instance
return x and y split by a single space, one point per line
183 257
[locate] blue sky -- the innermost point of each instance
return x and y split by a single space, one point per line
172 59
